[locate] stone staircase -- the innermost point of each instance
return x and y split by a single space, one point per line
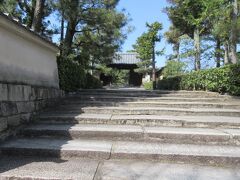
163 126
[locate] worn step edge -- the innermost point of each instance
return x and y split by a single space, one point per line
151 92
125 98
185 153
80 105
57 148
133 95
147 120
152 111
209 154
136 133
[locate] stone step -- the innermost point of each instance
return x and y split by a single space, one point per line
136 133
142 92
146 120
26 168
133 94
98 149
153 111
74 100
222 105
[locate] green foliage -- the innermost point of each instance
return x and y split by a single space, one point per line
71 74
222 80
94 29
73 77
92 82
173 36
119 77
174 68
187 15
9 6
23 10
97 41
201 18
145 46
148 85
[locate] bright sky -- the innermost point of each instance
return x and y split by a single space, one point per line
142 11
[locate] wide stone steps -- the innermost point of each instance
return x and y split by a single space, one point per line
145 120
136 133
153 111
104 149
154 126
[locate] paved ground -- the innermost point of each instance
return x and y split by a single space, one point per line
87 169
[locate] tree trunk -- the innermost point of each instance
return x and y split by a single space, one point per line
62 33
67 43
176 51
62 28
226 53
72 22
38 16
233 37
197 49
153 67
218 52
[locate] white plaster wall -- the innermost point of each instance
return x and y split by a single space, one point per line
25 59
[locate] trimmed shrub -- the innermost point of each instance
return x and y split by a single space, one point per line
223 80
72 76
92 82
148 85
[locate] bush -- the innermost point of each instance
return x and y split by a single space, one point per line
222 80
92 82
72 76
148 85
174 68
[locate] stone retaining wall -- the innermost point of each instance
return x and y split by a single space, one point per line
18 103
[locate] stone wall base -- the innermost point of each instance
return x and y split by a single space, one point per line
18 104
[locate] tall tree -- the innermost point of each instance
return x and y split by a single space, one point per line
226 27
93 28
145 47
173 37
193 17
38 15
30 12
234 33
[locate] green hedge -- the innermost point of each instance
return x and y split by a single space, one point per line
148 85
72 76
223 80
92 82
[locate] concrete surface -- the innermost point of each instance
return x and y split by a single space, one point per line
46 168
134 170
86 169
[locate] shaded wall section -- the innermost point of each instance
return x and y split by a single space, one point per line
25 57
